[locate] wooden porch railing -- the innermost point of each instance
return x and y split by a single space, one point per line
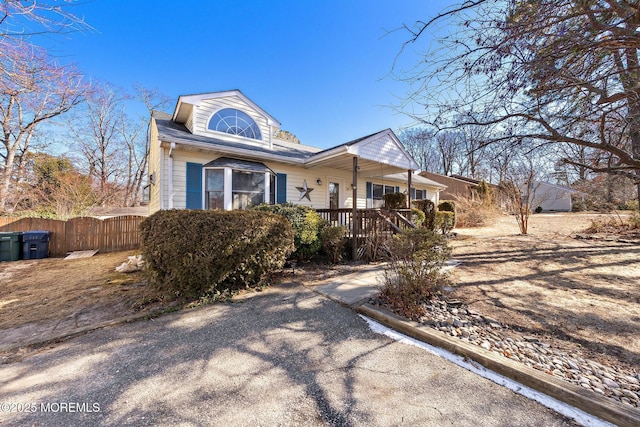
369 220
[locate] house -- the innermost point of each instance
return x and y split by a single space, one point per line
219 151
457 186
549 197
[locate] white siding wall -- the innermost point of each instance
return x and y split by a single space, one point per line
320 194
155 156
295 178
189 123
180 160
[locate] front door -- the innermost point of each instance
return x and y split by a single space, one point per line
334 199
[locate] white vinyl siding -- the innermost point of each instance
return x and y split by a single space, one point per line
189 123
155 156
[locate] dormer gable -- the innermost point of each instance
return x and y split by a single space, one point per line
227 115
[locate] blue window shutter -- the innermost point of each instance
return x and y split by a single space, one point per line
397 189
281 188
369 190
194 186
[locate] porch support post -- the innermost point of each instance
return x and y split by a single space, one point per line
409 189
354 213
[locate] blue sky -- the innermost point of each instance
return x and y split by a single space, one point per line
319 67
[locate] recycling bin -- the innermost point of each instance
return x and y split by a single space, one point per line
10 246
35 244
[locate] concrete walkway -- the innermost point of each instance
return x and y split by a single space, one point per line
352 289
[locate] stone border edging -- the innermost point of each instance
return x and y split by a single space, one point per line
586 400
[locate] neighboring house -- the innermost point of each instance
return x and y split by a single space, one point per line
218 151
457 186
549 197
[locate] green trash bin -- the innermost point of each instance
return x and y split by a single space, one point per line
10 245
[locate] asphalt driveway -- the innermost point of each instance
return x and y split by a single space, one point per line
286 356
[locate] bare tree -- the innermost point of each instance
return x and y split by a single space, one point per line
449 147
33 90
419 142
25 18
139 147
97 130
473 155
556 71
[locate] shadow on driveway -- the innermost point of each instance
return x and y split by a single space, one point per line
282 357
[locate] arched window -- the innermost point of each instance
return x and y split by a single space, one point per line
235 122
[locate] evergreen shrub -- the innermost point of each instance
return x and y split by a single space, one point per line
417 217
334 241
194 253
307 226
395 201
445 221
449 206
429 209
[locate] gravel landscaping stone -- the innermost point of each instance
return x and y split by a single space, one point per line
466 324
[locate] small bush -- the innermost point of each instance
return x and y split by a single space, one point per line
448 206
395 201
631 205
444 221
538 209
414 273
307 225
484 191
334 242
429 209
417 217
578 205
474 213
197 253
634 220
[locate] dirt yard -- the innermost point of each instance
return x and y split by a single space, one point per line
44 298
582 295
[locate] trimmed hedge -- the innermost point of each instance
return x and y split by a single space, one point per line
192 253
307 225
429 209
445 221
448 206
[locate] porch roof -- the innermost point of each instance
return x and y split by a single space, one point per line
380 148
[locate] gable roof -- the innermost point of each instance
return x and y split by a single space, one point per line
380 147
186 102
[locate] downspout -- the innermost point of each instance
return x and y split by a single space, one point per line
409 190
354 212
170 186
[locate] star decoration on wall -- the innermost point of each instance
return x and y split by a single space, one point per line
304 191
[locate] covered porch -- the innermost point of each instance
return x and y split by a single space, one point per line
369 158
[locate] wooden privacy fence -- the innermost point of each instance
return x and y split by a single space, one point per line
81 234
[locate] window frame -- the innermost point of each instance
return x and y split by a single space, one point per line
253 125
268 191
